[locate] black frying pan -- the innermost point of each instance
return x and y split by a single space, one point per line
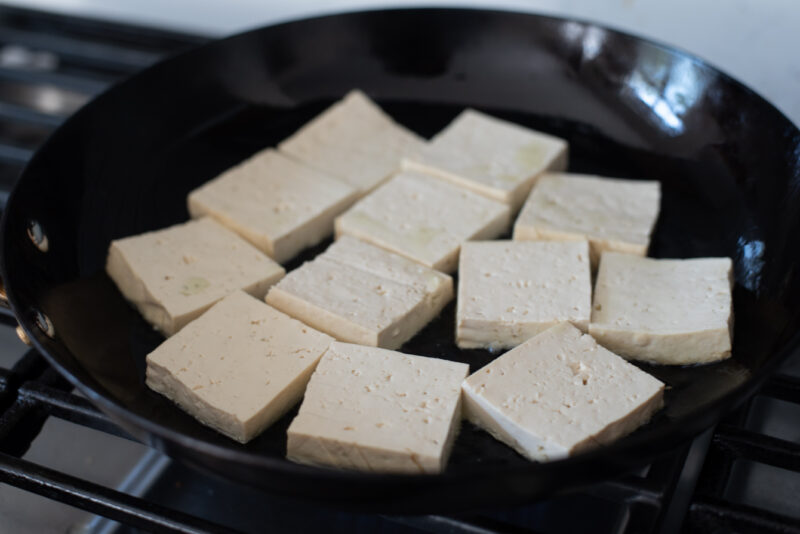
729 164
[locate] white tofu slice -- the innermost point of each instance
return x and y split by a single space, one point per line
423 219
664 311
495 158
378 410
277 204
509 291
614 215
558 394
238 367
362 294
174 275
355 141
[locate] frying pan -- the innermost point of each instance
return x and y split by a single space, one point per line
729 164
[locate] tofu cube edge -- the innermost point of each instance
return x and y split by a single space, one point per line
238 367
353 140
360 293
668 311
498 159
173 275
424 219
378 410
560 393
509 291
277 204
613 214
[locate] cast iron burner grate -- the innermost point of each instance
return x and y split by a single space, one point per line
49 66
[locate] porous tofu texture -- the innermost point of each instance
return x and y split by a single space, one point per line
362 294
238 367
664 310
560 393
378 410
175 274
498 159
355 141
614 215
509 291
424 219
277 204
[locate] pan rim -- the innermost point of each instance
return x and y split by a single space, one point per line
158 434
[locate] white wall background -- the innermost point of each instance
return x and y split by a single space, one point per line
756 41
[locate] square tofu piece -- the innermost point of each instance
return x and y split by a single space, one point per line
277 204
614 215
558 394
174 275
362 294
509 291
355 141
495 158
664 311
378 410
238 367
424 219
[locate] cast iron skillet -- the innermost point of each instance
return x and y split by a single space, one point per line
728 161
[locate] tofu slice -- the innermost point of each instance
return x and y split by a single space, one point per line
495 158
378 410
238 367
355 141
423 219
560 393
277 204
509 291
362 294
175 274
614 215
664 311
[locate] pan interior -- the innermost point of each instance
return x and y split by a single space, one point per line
727 161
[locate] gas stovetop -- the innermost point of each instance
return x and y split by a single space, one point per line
64 467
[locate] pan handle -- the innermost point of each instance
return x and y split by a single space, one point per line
6 310
5 305
39 239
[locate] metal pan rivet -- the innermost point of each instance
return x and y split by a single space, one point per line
37 236
23 336
44 324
